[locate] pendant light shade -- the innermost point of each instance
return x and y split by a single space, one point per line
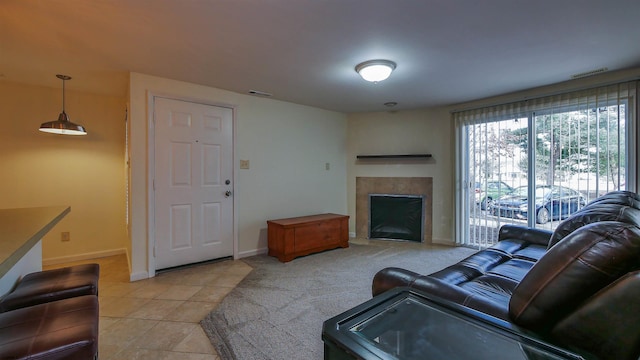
63 125
375 70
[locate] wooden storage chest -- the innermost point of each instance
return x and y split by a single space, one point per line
299 236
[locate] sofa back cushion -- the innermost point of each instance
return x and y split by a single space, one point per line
621 206
622 197
584 262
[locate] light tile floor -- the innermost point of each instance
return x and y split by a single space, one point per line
158 318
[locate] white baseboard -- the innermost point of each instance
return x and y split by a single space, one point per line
80 257
447 242
129 264
245 254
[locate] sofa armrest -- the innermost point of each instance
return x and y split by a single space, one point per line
391 277
527 234
575 269
606 324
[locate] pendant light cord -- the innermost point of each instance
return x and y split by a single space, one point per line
64 79
63 91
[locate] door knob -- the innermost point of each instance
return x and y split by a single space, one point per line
227 193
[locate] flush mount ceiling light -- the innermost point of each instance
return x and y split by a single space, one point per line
375 70
63 126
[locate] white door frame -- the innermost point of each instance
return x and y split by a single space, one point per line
151 236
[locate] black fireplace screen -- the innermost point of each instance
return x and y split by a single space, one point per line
399 217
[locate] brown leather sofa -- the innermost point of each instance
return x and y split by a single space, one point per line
577 287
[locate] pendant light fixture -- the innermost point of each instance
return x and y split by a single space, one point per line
63 126
375 70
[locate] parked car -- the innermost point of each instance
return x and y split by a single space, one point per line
552 202
486 193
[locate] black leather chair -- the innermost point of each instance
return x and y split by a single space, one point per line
63 329
50 285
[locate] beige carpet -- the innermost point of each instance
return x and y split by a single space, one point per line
278 310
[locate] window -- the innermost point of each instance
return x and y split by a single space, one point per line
536 162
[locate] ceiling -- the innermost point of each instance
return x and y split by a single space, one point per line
305 51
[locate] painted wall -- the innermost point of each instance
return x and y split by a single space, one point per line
405 132
40 169
432 131
287 145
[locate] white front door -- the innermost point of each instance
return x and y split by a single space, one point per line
193 182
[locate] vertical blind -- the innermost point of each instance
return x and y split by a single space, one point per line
580 143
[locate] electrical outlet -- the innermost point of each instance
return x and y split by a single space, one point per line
327 166
244 164
65 236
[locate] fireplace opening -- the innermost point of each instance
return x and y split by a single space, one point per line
396 217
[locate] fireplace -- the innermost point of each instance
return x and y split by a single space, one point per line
407 186
396 217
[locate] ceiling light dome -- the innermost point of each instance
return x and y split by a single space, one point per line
375 70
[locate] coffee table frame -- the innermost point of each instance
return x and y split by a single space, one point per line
343 337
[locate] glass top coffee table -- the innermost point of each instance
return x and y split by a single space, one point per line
404 324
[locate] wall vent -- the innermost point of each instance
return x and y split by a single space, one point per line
259 93
589 73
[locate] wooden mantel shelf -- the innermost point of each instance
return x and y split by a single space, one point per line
398 156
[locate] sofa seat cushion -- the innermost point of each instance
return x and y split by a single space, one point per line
530 253
509 246
489 291
515 269
487 294
473 266
574 269
496 289
511 255
520 249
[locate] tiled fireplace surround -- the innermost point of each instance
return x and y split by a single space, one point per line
395 186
